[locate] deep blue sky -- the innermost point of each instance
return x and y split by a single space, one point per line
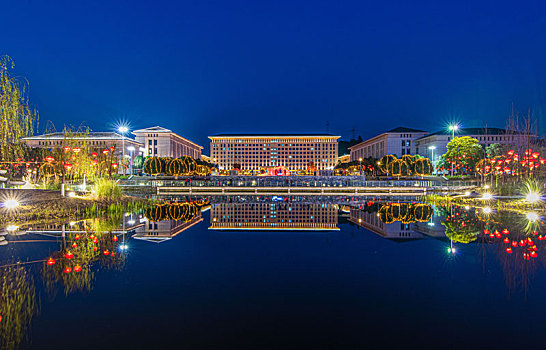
204 67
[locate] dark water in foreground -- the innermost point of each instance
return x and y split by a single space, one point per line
320 276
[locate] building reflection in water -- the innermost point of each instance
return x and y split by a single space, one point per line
164 230
274 216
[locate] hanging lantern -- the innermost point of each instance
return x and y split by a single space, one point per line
505 231
69 255
509 250
521 243
106 252
68 166
486 231
95 240
50 262
49 159
67 270
533 254
74 245
526 256
115 165
529 241
104 151
94 162
77 268
115 238
113 254
506 240
66 149
112 148
95 249
77 237
94 154
76 149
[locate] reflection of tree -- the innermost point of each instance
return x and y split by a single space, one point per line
18 305
459 233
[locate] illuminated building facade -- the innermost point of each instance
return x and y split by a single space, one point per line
274 216
398 141
254 152
164 230
161 142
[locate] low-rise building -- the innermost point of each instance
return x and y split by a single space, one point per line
435 144
257 151
398 141
96 141
161 142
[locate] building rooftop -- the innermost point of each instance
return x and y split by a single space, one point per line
473 131
276 135
157 129
404 129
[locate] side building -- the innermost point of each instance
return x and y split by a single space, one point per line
436 143
96 141
161 142
257 151
398 141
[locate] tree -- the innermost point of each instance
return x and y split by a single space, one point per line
463 153
17 118
494 150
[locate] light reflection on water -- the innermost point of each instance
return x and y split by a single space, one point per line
57 260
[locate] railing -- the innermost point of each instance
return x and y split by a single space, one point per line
296 181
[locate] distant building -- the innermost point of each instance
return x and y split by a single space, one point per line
158 232
398 141
346 158
161 142
438 141
96 141
274 216
256 151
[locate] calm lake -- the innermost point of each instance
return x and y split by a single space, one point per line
267 273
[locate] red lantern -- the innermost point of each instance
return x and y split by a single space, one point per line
69 255
106 252
94 162
74 245
112 148
104 151
526 256
94 154
521 243
486 231
115 238
76 149
77 268
529 241
66 148
77 237
540 238
67 270
113 254
49 159
506 240
95 249
533 254
50 262
509 250
505 231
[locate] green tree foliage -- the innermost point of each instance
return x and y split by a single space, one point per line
494 150
17 118
463 152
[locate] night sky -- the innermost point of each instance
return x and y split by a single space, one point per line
204 67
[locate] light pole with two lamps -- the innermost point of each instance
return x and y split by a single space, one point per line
432 148
453 128
123 129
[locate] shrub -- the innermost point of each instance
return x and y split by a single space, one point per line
106 188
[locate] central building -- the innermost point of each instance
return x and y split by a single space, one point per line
257 151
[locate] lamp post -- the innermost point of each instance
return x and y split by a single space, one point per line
453 128
432 148
131 149
123 129
360 161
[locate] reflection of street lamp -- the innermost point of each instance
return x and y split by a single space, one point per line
432 148
453 128
131 149
123 129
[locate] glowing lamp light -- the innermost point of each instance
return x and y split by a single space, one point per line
533 197
123 247
487 210
50 262
123 129
487 196
11 204
532 216
71 194
451 250
12 228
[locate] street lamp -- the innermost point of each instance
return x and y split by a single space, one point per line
453 128
432 148
360 161
123 129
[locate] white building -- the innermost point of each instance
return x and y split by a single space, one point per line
161 142
437 142
398 141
